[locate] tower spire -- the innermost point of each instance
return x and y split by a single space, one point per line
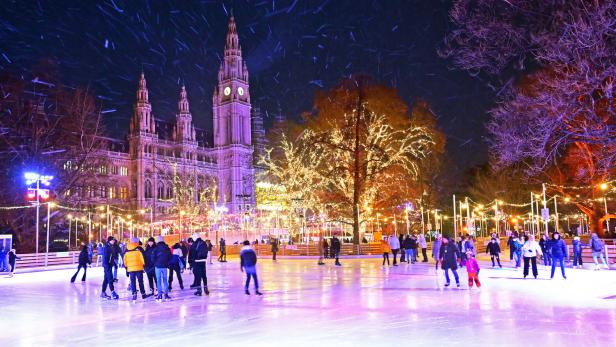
183 106
233 46
142 91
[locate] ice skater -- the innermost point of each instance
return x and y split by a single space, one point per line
494 250
109 259
577 252
150 272
559 250
175 265
436 249
210 247
223 251
472 269
421 239
198 256
336 250
530 250
248 263
274 248
135 263
596 246
386 250
12 261
394 244
449 257
161 255
84 261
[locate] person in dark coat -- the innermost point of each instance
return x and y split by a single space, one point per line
414 248
161 256
149 265
223 251
494 250
450 254
402 250
325 248
248 263
185 253
12 259
559 250
511 248
274 248
174 265
408 248
578 246
84 261
336 250
109 260
198 256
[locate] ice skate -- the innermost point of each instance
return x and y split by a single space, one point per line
105 296
167 297
134 297
258 293
247 292
114 295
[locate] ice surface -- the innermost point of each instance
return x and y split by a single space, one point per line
358 304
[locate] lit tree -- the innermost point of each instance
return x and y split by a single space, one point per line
191 197
555 115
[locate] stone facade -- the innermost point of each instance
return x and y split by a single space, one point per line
140 175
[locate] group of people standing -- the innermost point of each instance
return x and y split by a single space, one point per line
407 245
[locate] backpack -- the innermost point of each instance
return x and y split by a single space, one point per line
597 245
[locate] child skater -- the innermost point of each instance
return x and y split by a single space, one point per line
248 262
472 268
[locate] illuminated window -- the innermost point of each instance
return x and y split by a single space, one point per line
68 166
103 190
124 193
102 169
112 194
123 171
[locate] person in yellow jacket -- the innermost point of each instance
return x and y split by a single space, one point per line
386 250
134 263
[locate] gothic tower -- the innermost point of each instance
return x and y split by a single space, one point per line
232 128
142 141
184 129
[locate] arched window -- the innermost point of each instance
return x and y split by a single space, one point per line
169 192
148 189
161 192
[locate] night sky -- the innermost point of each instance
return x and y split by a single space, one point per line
292 49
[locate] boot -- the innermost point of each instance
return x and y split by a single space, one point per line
159 298
144 296
134 296
114 295
167 297
207 292
258 292
73 279
105 296
198 292
246 291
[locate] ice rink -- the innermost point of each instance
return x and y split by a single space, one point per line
358 304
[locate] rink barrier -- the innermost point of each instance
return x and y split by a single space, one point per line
66 258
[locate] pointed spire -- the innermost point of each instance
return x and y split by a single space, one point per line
142 91
183 103
233 46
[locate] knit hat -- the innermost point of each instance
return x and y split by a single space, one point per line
160 239
110 238
196 236
135 240
151 239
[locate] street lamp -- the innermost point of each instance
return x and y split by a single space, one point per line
604 187
32 178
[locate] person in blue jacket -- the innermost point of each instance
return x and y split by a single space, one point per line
161 255
577 252
559 250
248 263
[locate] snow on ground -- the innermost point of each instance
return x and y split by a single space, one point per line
359 304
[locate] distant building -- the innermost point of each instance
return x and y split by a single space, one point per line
139 174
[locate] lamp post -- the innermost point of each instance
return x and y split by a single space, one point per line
604 187
32 178
69 217
49 206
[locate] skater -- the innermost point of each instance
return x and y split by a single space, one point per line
472 269
119 255
559 249
84 261
150 272
198 257
449 256
135 263
530 251
161 255
394 244
596 246
511 248
461 248
336 249
424 247
248 263
544 243
109 259
386 250
274 248
436 249
408 249
174 265
12 261
517 251
99 253
90 251
577 252
325 248
209 246
402 249
494 249
184 250
223 251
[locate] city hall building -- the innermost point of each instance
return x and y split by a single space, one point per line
138 173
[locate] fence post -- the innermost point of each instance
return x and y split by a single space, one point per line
607 257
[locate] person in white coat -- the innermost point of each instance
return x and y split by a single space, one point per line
394 244
531 250
421 239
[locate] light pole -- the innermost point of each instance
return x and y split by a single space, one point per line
69 217
32 178
604 187
49 206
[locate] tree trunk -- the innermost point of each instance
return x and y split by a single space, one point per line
356 166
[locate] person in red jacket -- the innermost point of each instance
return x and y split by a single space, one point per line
472 269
